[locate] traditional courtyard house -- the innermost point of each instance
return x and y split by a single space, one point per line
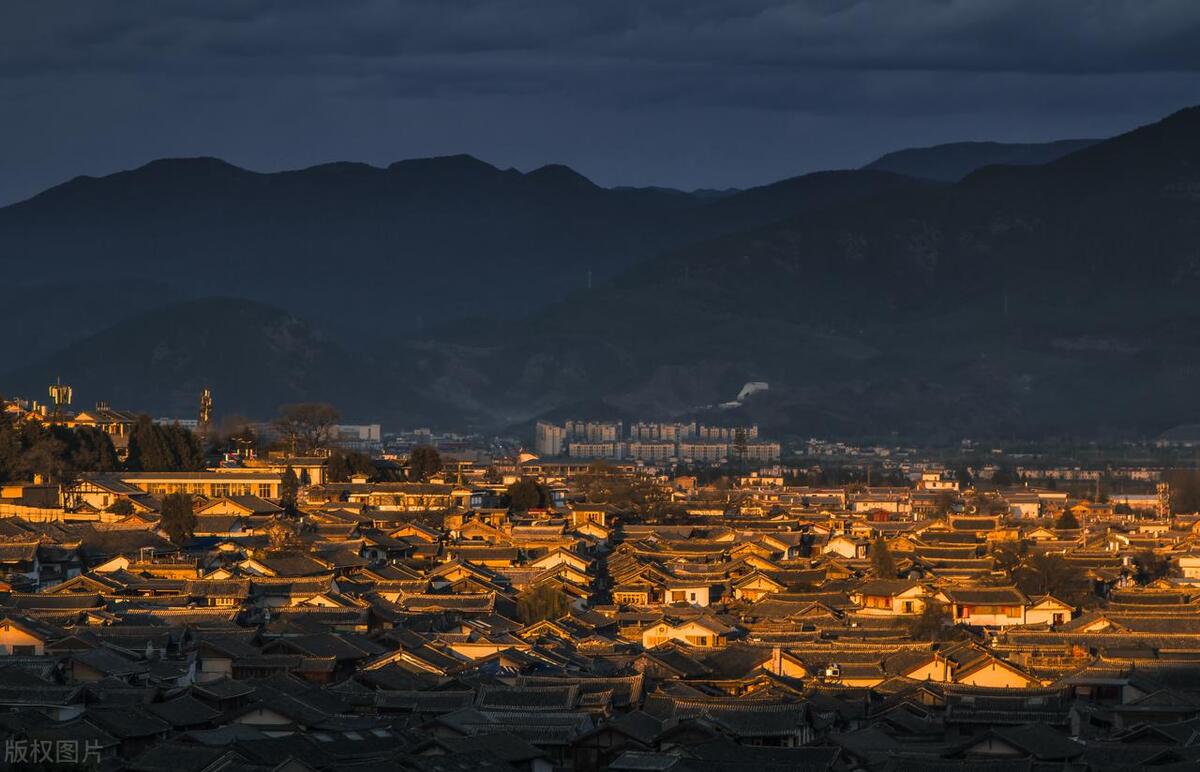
1042 534
756 585
226 593
294 564
1189 565
99 493
1048 610
691 593
19 563
220 526
1032 743
889 597
704 632
994 672
416 532
239 506
57 562
490 557
986 606
601 514
636 592
24 636
846 547
1024 505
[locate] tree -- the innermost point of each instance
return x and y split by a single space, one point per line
306 426
178 517
289 489
282 537
1066 521
740 447
882 561
526 494
1185 489
1004 475
944 503
155 448
122 507
1046 574
342 466
1009 555
542 601
46 455
933 623
1150 567
56 453
423 462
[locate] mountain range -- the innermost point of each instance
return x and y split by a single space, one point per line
1049 295
951 162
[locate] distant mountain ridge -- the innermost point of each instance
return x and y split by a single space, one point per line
953 161
371 256
1019 301
346 243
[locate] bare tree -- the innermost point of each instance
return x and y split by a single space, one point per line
306 426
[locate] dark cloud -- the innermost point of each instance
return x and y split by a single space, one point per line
684 92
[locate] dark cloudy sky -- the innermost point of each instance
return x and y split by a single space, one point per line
676 92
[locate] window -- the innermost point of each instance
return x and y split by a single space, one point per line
693 596
24 651
264 490
908 607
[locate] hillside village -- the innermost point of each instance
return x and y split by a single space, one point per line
539 613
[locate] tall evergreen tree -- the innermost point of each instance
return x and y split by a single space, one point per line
289 490
423 462
882 561
543 601
178 517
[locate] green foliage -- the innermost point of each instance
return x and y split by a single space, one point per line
342 465
178 517
234 434
526 494
423 462
157 448
602 484
933 623
1052 574
882 561
1010 554
57 453
1150 567
289 489
1004 475
1066 521
944 503
543 601
1185 489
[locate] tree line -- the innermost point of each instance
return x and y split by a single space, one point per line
59 453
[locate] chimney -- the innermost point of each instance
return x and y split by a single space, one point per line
776 661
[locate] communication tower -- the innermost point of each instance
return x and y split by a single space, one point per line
60 395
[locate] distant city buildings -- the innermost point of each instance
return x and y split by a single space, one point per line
654 442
